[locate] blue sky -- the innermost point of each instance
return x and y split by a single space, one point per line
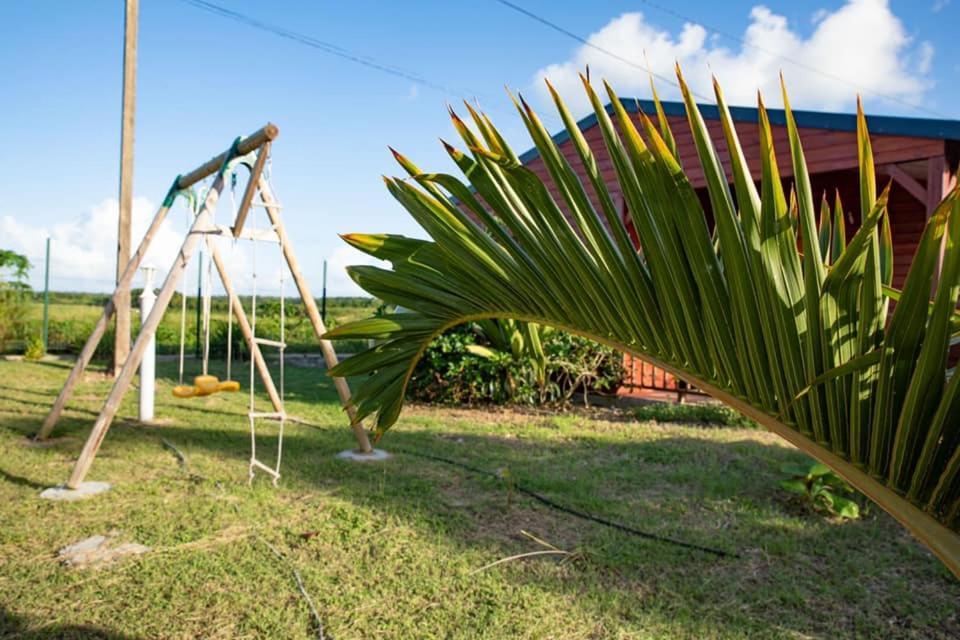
204 79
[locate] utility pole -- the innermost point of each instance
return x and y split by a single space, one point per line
121 343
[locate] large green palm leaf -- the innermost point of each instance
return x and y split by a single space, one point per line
773 312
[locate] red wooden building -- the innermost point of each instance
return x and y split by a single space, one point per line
920 155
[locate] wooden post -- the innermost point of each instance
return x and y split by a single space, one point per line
121 341
202 223
238 311
100 328
251 189
329 355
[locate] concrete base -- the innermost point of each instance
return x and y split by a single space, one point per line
356 456
98 550
85 490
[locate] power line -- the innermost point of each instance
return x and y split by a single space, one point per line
316 43
585 42
331 49
797 63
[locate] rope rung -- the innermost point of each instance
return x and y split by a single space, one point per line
256 463
267 415
270 343
260 235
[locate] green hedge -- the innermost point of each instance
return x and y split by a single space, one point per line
450 374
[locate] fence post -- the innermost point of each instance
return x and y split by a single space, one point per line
46 298
323 299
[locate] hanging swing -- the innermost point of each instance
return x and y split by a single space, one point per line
203 384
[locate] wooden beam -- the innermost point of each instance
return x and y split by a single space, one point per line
252 142
90 347
121 336
329 355
245 328
148 330
905 180
251 189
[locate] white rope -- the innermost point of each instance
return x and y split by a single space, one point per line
183 310
233 251
207 303
253 345
283 317
281 415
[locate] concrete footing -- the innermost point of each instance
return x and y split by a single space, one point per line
85 490
358 456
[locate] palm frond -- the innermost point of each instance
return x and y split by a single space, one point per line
775 311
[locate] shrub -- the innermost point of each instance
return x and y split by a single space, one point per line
34 350
454 370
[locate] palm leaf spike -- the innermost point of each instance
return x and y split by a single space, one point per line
665 130
509 248
825 229
838 241
871 306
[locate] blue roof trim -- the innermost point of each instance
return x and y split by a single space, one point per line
883 125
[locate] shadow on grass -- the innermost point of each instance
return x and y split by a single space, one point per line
20 627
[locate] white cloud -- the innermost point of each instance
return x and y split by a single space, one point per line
939 5
83 254
338 282
862 42
83 250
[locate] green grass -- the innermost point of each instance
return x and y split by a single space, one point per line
697 413
393 550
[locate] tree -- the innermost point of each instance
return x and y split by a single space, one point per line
773 312
14 268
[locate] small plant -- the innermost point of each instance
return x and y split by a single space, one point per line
822 488
35 349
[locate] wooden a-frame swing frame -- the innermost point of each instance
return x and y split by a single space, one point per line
202 227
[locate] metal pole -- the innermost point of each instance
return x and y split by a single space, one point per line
196 351
148 366
46 298
323 300
121 343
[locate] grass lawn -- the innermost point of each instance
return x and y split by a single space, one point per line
400 549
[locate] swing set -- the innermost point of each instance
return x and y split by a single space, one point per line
252 152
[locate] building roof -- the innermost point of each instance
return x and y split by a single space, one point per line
882 125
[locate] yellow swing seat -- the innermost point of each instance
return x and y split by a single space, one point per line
205 386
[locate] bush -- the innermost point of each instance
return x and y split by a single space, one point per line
34 350
453 371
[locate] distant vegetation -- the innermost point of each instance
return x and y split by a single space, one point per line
73 315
